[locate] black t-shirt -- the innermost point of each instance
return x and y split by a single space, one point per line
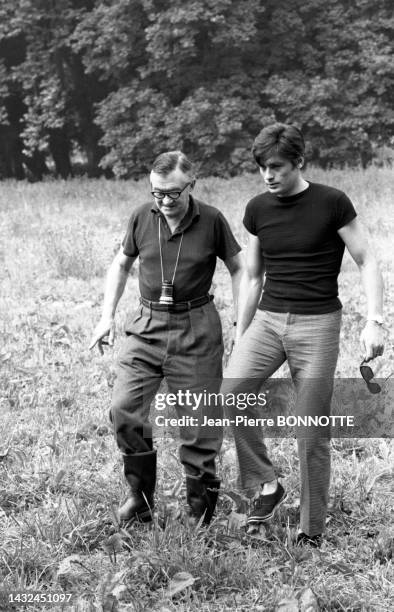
207 235
301 247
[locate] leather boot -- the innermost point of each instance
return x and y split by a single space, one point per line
140 473
202 496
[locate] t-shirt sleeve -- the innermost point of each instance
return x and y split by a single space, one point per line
226 244
249 220
344 211
129 244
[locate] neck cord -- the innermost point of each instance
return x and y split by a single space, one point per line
161 255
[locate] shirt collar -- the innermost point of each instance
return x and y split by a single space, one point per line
194 208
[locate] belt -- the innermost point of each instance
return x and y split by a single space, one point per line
177 306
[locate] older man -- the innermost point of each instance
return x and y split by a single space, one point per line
175 333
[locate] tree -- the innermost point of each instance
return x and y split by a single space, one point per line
214 73
189 90
122 80
342 100
58 97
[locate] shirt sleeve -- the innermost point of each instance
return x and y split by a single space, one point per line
344 211
129 244
248 220
226 244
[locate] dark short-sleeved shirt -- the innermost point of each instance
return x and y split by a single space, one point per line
206 236
301 247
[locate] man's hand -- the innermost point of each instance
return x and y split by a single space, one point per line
372 340
103 334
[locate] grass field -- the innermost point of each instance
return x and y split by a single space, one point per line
60 476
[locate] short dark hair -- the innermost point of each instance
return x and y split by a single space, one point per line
169 161
279 139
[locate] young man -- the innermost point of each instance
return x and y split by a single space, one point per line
175 332
297 234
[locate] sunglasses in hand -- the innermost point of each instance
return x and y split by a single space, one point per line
368 375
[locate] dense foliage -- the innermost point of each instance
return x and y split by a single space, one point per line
117 81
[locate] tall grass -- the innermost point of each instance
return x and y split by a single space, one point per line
60 476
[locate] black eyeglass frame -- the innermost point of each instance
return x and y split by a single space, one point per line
173 195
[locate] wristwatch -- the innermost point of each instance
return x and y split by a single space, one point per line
376 319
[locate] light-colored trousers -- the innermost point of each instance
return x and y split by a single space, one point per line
310 345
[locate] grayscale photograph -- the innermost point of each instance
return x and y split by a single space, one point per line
196 296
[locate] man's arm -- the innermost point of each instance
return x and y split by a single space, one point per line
355 239
250 286
235 266
114 287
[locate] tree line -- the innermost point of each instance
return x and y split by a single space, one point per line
115 82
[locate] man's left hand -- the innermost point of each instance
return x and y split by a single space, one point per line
372 340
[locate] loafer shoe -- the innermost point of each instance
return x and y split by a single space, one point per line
264 506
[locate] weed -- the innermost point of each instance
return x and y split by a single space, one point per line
73 251
60 476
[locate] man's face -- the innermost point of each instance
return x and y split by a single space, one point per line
280 176
171 185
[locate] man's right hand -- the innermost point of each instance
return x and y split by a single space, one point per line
103 334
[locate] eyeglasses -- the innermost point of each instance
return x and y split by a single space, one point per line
174 195
368 375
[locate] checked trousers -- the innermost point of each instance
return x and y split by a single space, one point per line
310 344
